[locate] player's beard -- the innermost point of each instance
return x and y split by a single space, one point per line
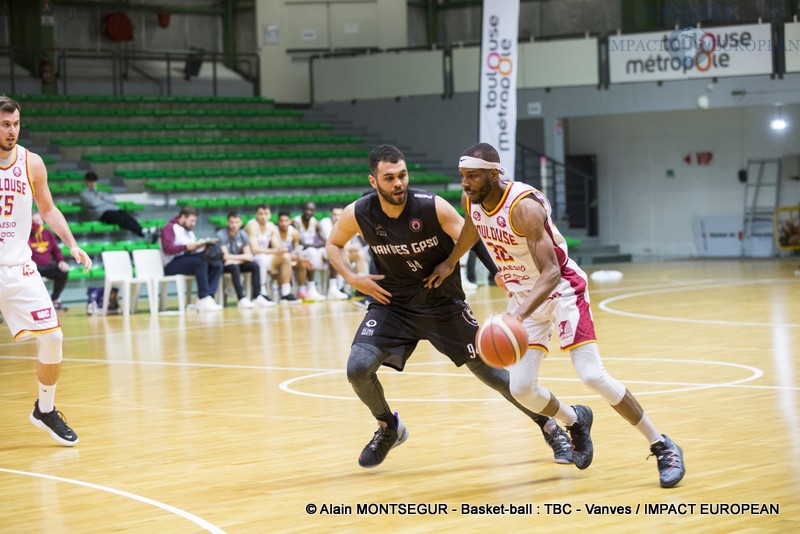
389 197
477 197
8 146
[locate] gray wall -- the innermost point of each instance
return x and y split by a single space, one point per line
637 132
649 213
81 27
437 129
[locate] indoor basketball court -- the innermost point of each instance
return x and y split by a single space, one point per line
243 421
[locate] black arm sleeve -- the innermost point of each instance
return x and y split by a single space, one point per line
486 259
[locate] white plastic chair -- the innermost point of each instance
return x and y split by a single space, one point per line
119 272
148 266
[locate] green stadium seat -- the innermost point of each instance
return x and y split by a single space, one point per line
76 273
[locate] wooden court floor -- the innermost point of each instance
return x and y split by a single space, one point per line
245 422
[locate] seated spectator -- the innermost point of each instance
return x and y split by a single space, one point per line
313 251
270 256
289 239
181 253
103 207
48 258
354 250
239 259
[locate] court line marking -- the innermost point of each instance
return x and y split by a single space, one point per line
316 371
604 304
261 317
690 386
202 523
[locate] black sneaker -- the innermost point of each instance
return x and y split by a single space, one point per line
55 423
290 299
670 462
582 448
382 441
559 442
155 234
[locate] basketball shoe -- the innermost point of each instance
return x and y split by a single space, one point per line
55 423
263 301
208 303
579 432
313 294
290 299
382 441
670 462
336 294
559 442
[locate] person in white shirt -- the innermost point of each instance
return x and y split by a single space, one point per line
313 251
270 256
24 300
547 292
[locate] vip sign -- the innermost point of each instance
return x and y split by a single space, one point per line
498 82
691 53
702 158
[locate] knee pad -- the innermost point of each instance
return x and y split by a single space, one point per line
592 372
524 382
50 347
531 395
363 361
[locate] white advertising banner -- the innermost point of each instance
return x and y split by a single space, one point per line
498 84
691 53
721 236
791 46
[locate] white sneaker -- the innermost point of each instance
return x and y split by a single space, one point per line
313 294
245 304
335 294
467 285
208 304
263 302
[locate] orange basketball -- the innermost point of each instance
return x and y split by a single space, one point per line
501 340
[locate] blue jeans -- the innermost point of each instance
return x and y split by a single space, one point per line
207 276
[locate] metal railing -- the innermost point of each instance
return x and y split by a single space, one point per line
120 64
549 176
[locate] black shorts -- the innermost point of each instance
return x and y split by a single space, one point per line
451 330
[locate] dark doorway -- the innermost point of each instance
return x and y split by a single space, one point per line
581 176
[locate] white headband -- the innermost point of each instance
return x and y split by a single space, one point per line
468 162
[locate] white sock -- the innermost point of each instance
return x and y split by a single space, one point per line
312 285
332 285
648 430
47 396
286 289
566 414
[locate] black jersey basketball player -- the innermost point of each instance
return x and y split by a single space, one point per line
409 232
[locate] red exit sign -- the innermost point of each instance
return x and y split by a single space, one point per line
699 158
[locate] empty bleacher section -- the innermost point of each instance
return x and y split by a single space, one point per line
217 154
